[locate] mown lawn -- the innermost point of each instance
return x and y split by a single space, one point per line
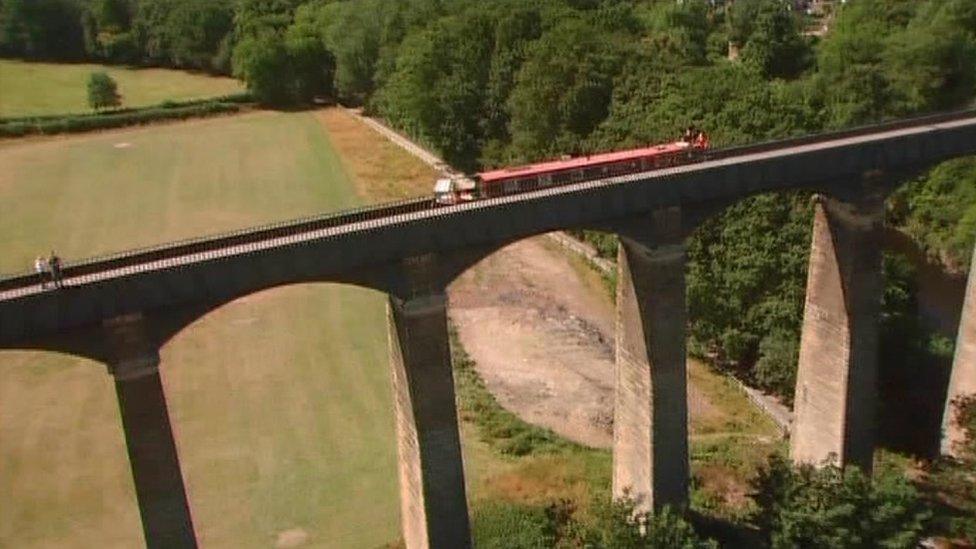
105 192
28 88
280 401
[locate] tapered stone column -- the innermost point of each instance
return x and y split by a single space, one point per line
650 430
166 520
962 382
837 374
433 505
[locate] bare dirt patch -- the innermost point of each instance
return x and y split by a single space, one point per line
542 339
296 537
540 327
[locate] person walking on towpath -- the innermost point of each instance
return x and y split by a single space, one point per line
55 264
40 267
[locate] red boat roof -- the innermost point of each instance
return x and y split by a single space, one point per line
581 161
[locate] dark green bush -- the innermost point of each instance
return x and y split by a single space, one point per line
832 507
115 119
504 525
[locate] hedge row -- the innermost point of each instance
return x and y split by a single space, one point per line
115 119
241 98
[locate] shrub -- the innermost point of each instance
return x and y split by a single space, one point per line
504 525
115 119
776 367
828 506
103 92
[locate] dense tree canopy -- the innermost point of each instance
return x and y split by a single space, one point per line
834 507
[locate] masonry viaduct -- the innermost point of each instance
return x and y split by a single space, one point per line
120 310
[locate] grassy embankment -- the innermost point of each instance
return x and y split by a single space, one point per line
54 88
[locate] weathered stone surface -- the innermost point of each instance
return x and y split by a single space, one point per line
433 504
650 436
962 382
835 389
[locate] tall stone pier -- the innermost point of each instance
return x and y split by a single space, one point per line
836 379
650 432
962 381
433 504
163 505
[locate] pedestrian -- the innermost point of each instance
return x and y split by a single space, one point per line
55 264
40 267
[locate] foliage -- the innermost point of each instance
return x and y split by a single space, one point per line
779 352
939 212
746 276
895 57
563 89
611 525
503 525
283 72
439 83
913 366
50 125
949 486
103 92
828 506
949 482
618 525
41 29
775 46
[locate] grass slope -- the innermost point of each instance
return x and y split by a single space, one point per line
55 88
280 401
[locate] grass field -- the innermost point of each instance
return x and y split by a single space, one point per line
55 88
280 401
116 190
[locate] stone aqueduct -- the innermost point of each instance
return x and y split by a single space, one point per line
120 311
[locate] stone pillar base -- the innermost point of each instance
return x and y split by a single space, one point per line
962 382
650 435
433 504
837 373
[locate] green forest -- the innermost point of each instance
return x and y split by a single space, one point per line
498 82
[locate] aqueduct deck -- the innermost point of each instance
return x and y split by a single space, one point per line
121 309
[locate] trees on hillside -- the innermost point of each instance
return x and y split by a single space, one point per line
438 86
283 71
41 29
939 212
563 89
774 45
